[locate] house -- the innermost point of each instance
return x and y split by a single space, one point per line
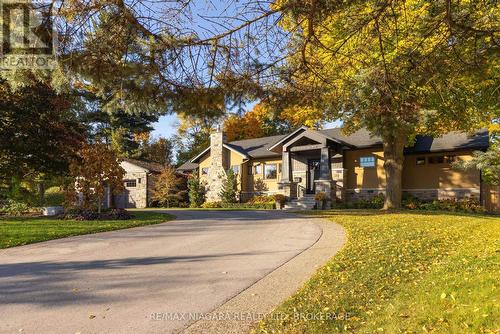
139 183
348 168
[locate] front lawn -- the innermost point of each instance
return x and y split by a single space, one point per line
16 231
409 272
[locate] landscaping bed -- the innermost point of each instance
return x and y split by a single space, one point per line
16 231
408 272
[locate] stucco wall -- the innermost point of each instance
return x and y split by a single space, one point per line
368 177
427 181
257 182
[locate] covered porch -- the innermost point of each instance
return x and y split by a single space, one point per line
311 163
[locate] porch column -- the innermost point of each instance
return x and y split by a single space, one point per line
286 175
325 171
325 182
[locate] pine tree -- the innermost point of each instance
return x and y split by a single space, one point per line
229 189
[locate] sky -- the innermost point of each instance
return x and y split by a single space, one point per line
167 126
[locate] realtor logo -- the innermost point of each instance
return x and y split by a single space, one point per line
27 37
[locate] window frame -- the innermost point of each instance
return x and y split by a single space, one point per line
275 171
130 183
260 167
417 159
364 159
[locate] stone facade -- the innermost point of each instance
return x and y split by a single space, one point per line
217 168
139 186
422 194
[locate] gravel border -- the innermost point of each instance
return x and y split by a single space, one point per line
269 292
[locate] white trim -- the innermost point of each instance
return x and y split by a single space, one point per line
202 153
303 127
223 145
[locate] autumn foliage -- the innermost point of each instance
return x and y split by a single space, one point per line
96 169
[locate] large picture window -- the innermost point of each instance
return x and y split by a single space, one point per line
367 162
270 171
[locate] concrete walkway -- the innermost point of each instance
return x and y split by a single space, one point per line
162 278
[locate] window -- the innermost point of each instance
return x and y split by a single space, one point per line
204 171
438 159
236 169
139 181
250 170
130 183
367 162
258 169
420 161
270 171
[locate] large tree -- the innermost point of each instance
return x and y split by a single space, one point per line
39 131
398 68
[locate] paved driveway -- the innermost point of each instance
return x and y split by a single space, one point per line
113 282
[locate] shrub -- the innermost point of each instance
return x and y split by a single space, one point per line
211 205
84 215
229 187
196 192
265 206
321 197
376 202
261 199
219 205
14 208
463 205
279 198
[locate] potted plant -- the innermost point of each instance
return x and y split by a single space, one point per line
280 201
321 198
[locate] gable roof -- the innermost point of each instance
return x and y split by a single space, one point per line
259 147
226 145
148 165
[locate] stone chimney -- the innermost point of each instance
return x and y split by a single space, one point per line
217 168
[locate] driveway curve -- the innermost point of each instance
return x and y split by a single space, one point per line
149 279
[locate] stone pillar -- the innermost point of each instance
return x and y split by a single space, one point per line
216 171
325 183
286 184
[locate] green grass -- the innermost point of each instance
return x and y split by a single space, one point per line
409 272
16 231
199 209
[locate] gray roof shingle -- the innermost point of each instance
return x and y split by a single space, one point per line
149 165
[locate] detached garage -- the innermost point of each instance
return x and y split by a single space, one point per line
139 182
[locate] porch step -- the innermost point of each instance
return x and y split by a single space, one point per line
304 203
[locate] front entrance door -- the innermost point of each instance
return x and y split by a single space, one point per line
312 174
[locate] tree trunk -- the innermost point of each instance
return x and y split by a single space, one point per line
393 166
41 192
99 204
